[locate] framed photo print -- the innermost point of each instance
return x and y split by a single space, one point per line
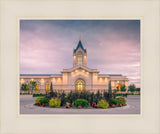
80 67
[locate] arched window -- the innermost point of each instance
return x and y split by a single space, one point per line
79 58
80 85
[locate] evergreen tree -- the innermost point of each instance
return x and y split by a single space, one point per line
132 87
110 89
51 88
33 85
123 88
24 87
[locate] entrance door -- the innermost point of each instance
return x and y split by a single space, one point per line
80 85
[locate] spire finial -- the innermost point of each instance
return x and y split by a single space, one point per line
79 37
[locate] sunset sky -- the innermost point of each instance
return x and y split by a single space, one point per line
113 46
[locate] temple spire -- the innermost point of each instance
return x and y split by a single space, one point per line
79 37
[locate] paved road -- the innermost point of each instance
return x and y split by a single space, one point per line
27 107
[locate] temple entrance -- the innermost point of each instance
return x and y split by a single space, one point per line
80 85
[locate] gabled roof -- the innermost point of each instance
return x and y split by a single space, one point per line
80 67
80 46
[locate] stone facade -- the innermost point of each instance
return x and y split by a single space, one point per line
79 77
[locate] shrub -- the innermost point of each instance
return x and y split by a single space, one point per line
81 102
121 100
113 101
44 100
120 94
103 104
108 95
39 95
38 99
55 102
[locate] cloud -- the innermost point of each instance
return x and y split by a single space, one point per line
112 46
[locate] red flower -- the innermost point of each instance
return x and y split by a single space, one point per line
70 105
95 106
67 107
110 105
80 107
113 105
43 105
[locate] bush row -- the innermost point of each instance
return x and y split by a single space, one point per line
89 96
37 95
79 103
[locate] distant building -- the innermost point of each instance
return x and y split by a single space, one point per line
79 77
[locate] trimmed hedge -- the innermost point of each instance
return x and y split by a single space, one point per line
113 101
81 102
39 95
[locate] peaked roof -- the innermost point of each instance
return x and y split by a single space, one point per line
80 45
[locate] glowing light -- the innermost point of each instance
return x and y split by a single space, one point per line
74 57
83 71
59 78
117 81
53 79
85 57
87 73
22 80
72 73
32 79
76 71
42 80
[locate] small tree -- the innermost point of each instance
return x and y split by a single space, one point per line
137 89
110 89
51 88
123 88
24 87
115 91
132 88
33 85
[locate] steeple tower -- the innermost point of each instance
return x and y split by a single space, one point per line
80 55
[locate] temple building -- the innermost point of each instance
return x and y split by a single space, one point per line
79 77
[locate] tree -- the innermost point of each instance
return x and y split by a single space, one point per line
138 89
115 91
123 88
24 87
51 88
110 89
132 88
33 85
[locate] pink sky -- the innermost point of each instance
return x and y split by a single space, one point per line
113 46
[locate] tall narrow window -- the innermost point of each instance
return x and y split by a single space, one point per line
79 59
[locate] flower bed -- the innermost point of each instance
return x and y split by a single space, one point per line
80 100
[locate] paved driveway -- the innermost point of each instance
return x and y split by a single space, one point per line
27 107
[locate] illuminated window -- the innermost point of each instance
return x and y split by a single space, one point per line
80 85
79 59
47 88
